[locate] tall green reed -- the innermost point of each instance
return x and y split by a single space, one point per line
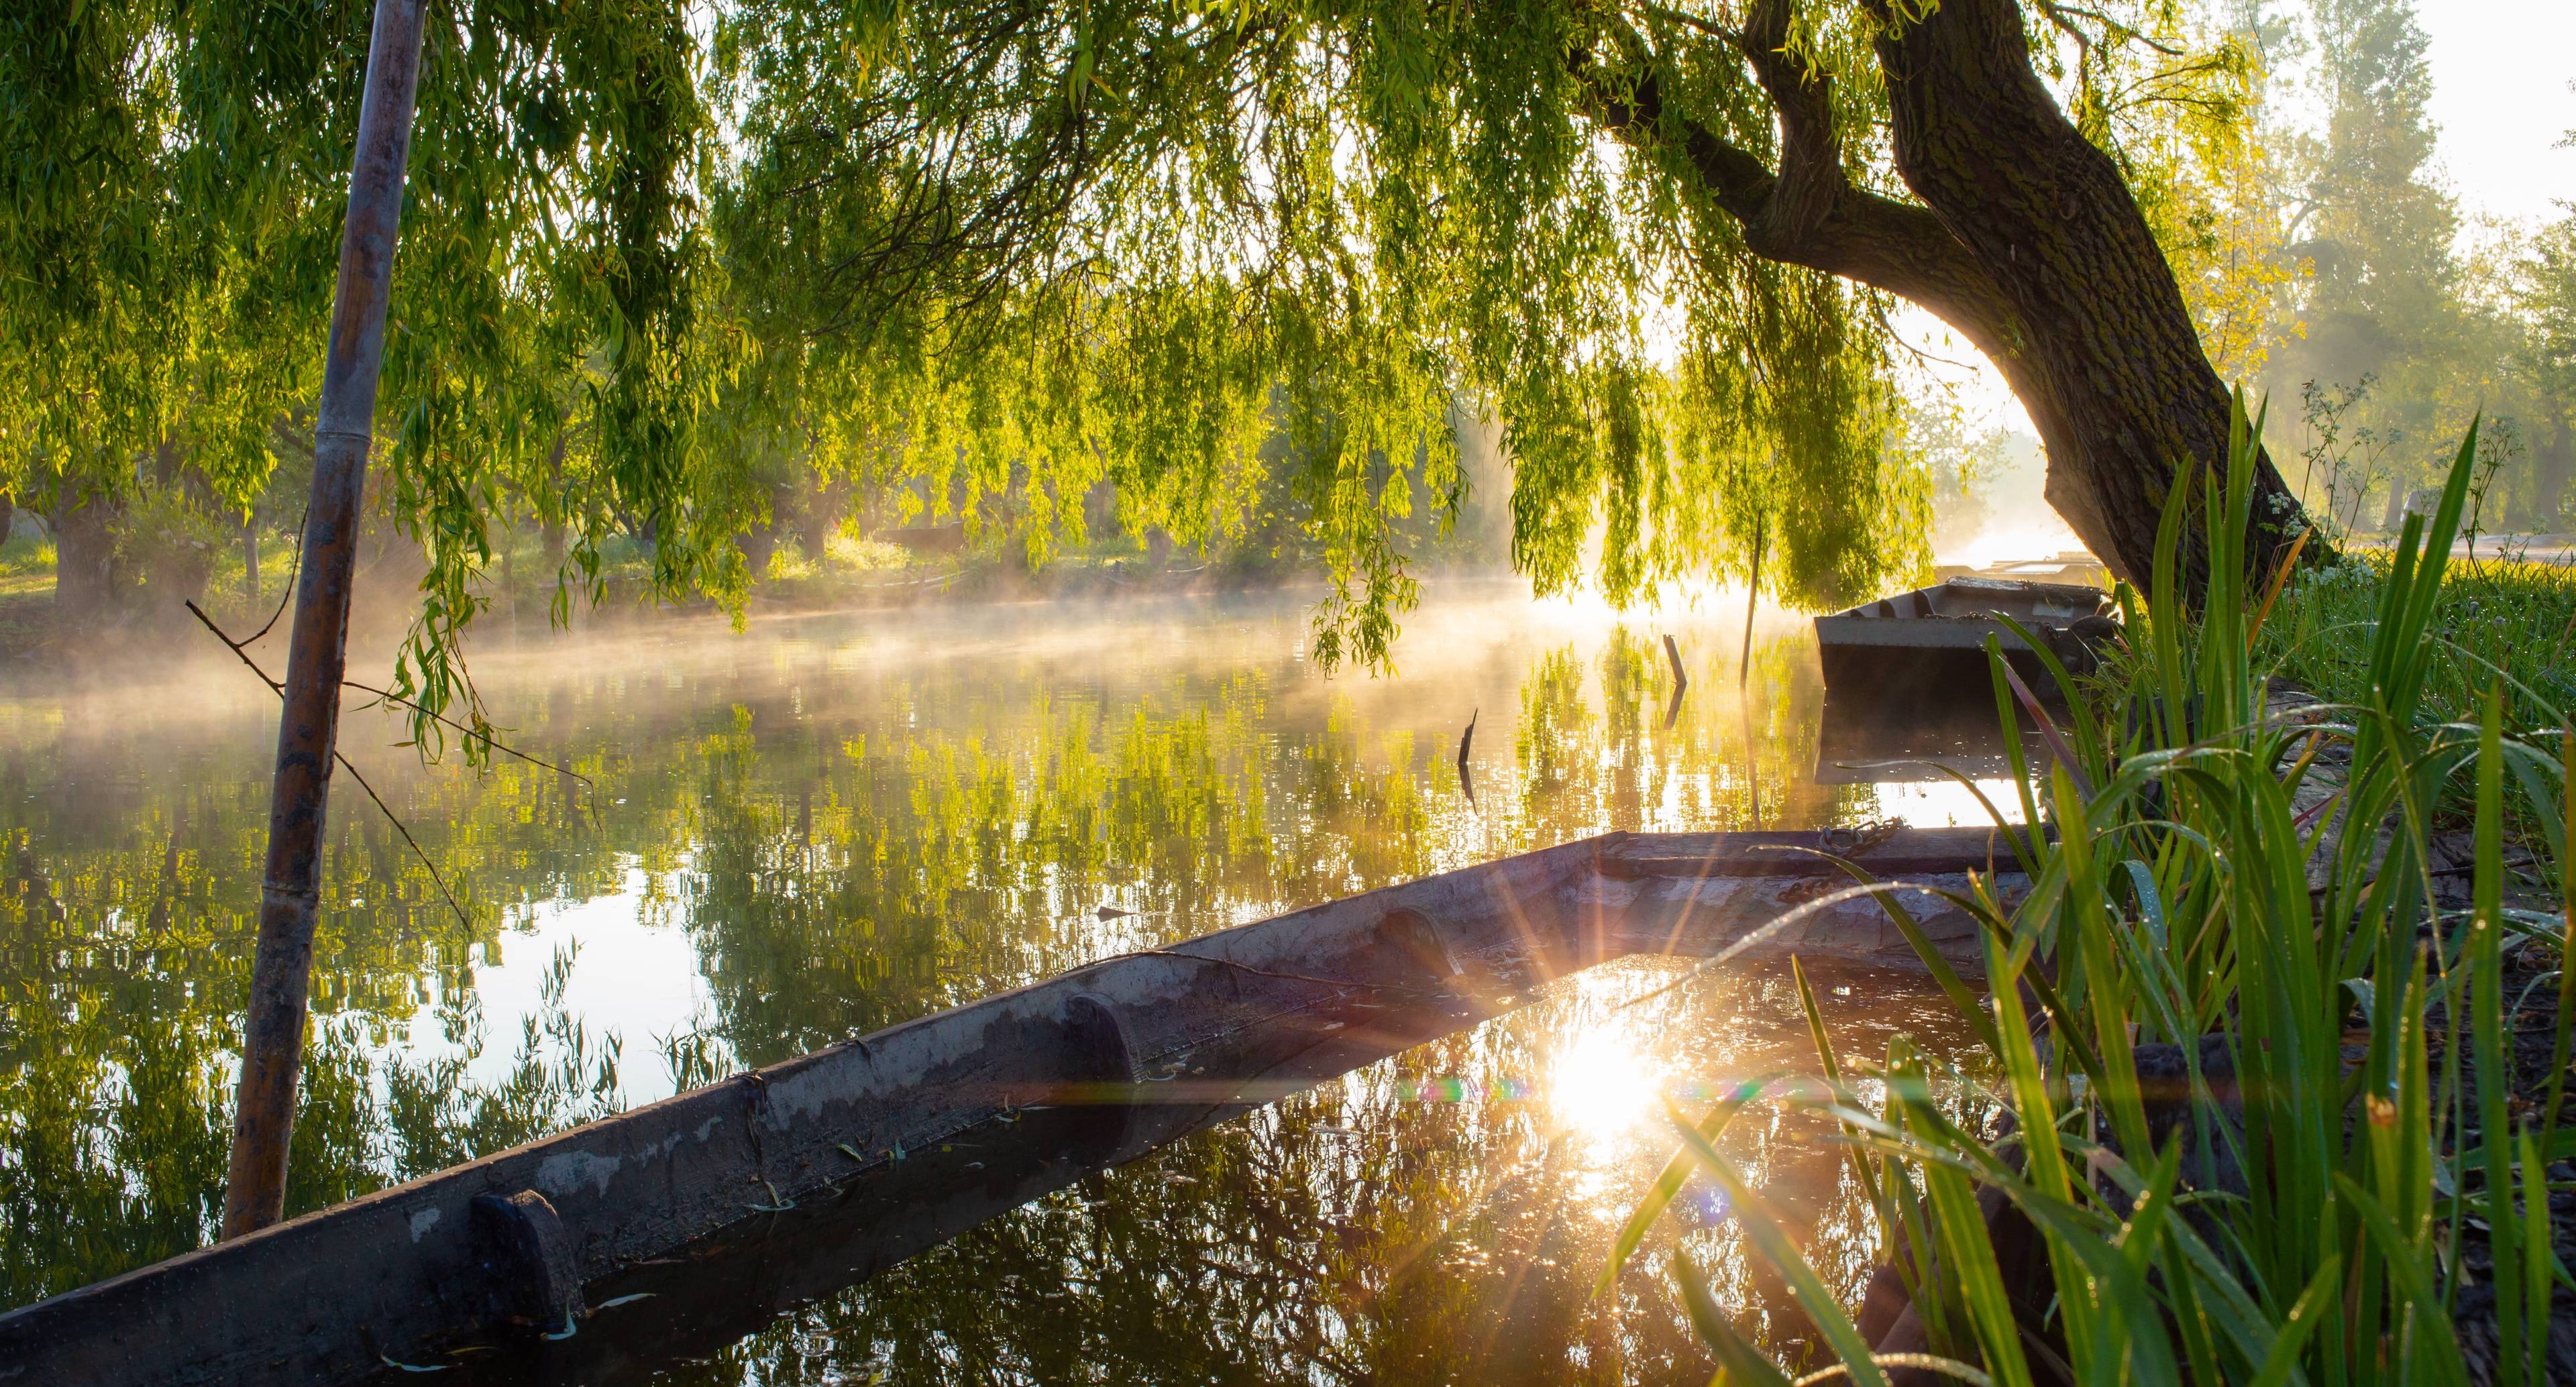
2251 900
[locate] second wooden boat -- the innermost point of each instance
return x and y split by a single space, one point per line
1931 642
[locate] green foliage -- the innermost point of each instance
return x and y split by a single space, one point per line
2315 1210
2385 283
983 261
2498 618
2403 325
178 173
1153 232
2545 292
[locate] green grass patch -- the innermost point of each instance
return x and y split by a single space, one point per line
2495 619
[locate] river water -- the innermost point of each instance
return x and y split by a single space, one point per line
767 841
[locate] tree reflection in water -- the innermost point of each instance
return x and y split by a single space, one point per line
851 823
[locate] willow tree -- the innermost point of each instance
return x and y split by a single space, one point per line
1656 240
172 185
1004 252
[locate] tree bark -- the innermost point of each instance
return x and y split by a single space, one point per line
2554 463
758 547
819 517
2100 347
2027 242
550 519
86 575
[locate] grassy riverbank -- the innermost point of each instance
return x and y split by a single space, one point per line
2494 619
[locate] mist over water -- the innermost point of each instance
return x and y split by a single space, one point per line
827 825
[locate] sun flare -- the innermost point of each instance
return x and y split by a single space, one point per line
1601 1086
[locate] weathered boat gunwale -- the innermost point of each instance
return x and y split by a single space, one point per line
326 1296
1930 643
1913 851
1921 618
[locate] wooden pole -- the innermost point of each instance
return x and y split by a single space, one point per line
1681 682
1466 739
1752 599
1744 673
317 653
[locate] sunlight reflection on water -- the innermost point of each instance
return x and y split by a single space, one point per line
1604 1085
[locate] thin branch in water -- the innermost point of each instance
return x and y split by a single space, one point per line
480 734
1465 739
1681 681
387 810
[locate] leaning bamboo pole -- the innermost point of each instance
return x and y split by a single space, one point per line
317 653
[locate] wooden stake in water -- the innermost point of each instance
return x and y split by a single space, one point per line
1681 682
317 653
1752 599
1467 782
1744 674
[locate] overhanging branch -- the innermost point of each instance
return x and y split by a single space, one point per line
1807 212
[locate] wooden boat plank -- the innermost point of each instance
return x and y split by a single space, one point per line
1761 918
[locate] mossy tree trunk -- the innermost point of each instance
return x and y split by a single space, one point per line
2554 464
2026 240
2095 338
550 518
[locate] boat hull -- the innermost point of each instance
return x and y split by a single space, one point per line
506 1244
1931 643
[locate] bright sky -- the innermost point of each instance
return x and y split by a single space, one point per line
2501 70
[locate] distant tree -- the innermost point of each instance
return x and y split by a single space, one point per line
2547 295
1959 468
2384 298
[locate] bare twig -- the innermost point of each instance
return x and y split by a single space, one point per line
482 735
1710 27
285 593
387 810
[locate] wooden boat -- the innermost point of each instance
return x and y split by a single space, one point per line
1931 641
1045 1082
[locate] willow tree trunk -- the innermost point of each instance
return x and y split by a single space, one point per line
308 725
2024 237
2093 335
87 583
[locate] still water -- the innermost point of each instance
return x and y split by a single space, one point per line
773 840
